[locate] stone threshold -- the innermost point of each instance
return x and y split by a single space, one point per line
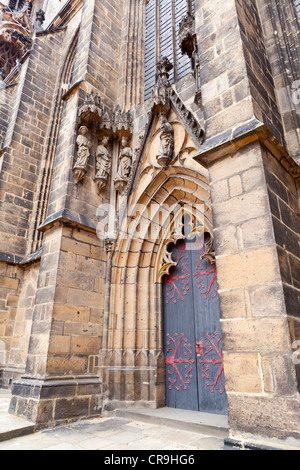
193 421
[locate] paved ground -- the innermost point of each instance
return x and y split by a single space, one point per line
112 433
164 429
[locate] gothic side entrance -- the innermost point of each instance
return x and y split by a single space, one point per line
192 334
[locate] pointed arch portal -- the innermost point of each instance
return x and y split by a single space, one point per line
161 325
191 326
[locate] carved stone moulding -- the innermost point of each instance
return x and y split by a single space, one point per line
164 161
174 233
189 119
210 253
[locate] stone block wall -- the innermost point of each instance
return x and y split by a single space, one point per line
26 137
61 379
284 203
20 304
10 286
225 85
6 100
259 72
260 374
281 30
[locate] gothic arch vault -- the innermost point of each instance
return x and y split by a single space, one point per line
132 362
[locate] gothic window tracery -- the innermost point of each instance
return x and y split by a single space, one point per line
15 33
18 5
162 29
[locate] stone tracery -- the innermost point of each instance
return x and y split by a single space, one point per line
15 34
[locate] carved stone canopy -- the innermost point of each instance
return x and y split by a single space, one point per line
92 109
115 124
187 36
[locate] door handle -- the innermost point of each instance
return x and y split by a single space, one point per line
199 348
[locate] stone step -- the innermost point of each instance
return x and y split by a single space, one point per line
11 426
193 421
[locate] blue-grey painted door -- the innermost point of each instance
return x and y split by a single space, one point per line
192 334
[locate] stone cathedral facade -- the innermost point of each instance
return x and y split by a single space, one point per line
149 223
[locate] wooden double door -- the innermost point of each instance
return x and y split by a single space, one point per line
192 334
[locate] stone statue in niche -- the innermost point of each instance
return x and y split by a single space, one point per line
160 101
125 165
103 164
125 159
166 151
83 154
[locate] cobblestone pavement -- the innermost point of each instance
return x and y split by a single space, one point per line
113 434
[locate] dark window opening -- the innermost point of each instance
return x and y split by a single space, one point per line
18 5
162 26
298 6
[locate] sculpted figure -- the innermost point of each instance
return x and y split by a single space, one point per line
83 154
125 159
125 163
167 142
103 164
